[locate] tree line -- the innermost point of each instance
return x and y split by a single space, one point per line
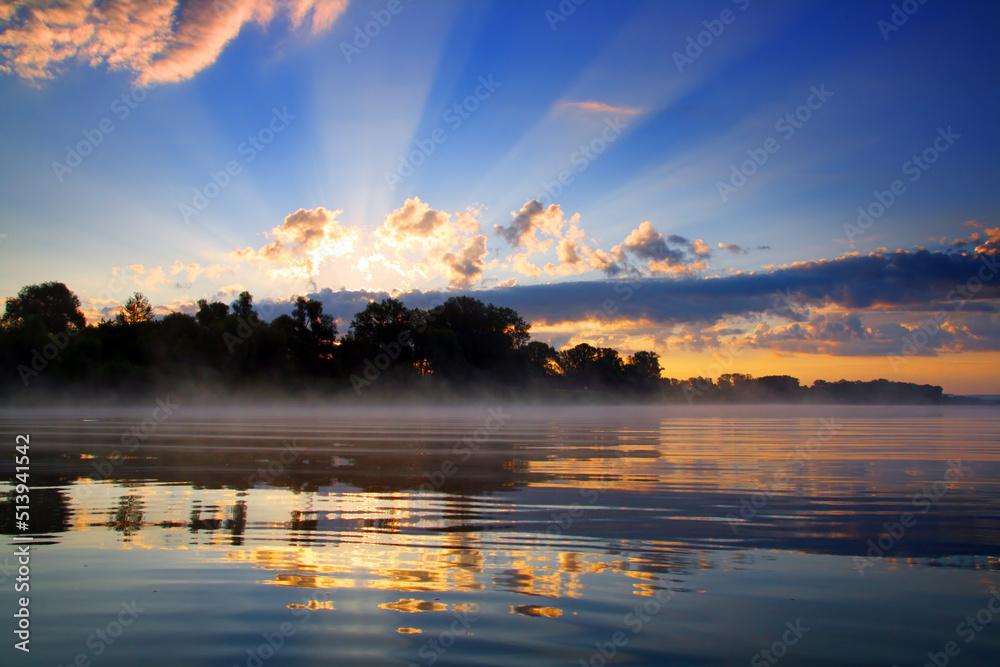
462 343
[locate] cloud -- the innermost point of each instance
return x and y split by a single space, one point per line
601 107
415 223
904 279
148 278
302 243
646 243
227 291
465 267
536 220
992 245
422 242
159 41
673 255
733 248
845 335
850 306
575 257
534 217
821 334
520 264
193 270
666 255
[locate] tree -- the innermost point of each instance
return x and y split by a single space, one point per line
381 322
486 334
734 380
243 307
209 313
507 322
312 334
310 321
576 360
642 369
385 326
135 310
543 356
53 303
778 387
587 365
608 368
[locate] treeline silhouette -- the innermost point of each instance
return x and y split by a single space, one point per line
459 346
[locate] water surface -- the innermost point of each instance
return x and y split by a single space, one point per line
507 535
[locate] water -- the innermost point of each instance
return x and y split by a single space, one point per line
566 536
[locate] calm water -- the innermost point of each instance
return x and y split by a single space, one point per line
661 536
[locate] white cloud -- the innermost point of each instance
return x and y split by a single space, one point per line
302 243
535 221
431 242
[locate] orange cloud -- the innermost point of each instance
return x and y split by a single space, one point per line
601 107
415 223
520 264
230 290
160 41
992 244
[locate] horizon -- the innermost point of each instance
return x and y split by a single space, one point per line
724 184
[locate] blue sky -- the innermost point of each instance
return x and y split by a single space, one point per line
595 95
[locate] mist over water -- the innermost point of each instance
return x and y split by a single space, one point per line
508 534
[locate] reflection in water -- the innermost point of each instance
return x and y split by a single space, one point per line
580 522
126 518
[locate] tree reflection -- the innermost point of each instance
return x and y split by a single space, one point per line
237 523
126 518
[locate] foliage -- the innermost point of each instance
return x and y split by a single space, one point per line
51 302
463 343
135 310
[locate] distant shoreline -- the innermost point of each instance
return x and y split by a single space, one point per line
329 394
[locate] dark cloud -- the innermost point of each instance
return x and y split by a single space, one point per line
888 289
534 219
465 267
648 244
522 224
911 279
673 254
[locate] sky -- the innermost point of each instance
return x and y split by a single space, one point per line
800 188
